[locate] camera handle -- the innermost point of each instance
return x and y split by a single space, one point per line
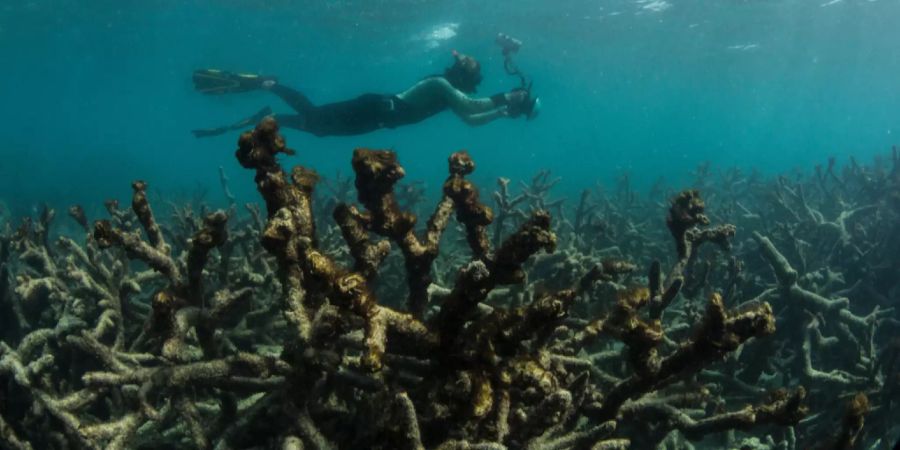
510 46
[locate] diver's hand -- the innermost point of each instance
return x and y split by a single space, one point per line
516 96
517 100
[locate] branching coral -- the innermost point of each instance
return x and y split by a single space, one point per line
217 331
481 357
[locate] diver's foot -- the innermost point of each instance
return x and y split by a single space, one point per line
260 115
215 81
248 122
252 81
208 132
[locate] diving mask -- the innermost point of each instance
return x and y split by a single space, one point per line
535 109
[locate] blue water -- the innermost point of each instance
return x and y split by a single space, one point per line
97 93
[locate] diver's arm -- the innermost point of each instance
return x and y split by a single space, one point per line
426 90
485 117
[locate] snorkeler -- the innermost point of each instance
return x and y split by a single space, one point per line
370 112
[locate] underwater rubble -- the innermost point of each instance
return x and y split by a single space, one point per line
764 321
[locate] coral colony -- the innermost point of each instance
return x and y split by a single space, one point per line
323 323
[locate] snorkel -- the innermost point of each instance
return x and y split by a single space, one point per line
510 46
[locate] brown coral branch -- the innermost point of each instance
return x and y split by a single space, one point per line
290 236
290 226
469 209
782 408
366 255
106 236
853 422
76 212
212 235
720 332
144 213
411 438
478 278
243 369
377 172
686 212
685 217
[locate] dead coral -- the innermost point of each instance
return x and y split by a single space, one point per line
209 332
480 364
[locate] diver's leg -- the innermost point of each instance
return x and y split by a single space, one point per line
294 98
357 116
316 122
295 121
360 115
241 124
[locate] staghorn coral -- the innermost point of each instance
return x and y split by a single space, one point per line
284 328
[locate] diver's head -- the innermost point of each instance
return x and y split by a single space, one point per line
464 74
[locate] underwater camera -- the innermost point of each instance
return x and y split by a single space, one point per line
508 43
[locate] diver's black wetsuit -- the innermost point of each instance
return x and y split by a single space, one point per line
365 113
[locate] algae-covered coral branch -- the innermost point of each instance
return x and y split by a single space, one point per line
483 352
